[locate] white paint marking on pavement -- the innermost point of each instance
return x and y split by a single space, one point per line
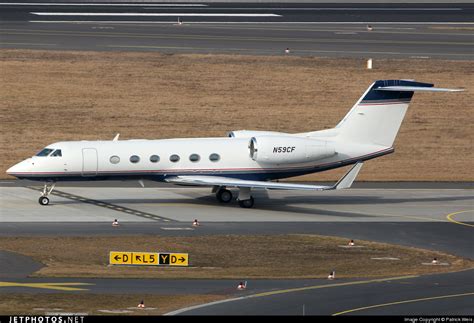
138 14
176 229
102 4
257 22
333 9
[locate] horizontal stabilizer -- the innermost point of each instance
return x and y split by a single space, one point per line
416 88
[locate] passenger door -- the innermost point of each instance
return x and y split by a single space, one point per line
89 162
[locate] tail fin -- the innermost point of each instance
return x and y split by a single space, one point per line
377 116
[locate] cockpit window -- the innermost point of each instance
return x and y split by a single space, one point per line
57 153
44 152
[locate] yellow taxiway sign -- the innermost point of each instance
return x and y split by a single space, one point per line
148 258
174 259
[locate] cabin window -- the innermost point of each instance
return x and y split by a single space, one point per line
57 153
154 158
194 158
214 157
134 159
115 159
174 158
45 152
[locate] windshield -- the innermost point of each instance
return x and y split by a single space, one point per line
57 153
44 152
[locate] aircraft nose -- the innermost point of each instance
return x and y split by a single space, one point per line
17 169
12 170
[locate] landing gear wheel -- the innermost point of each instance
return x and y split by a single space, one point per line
43 200
224 196
247 204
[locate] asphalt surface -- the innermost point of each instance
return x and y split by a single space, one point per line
14 265
447 294
431 218
338 30
168 205
441 294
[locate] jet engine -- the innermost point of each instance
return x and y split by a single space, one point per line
288 149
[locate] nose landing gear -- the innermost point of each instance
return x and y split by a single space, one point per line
43 200
47 189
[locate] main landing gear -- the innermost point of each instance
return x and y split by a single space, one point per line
48 188
223 195
247 204
245 200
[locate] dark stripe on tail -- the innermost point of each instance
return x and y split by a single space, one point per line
391 96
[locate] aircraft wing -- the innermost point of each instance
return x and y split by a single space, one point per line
345 182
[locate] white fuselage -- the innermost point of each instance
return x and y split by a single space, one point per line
100 160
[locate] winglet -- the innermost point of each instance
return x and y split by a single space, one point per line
347 180
116 138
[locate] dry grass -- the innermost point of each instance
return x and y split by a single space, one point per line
237 257
39 304
49 96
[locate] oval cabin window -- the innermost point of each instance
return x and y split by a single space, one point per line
115 159
214 157
134 159
174 158
194 158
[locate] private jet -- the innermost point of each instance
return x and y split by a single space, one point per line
243 159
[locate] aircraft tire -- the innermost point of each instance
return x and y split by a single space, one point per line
43 200
247 204
224 196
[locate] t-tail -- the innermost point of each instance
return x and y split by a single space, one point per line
377 116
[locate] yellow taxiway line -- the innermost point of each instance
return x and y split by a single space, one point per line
291 290
403 302
450 218
55 286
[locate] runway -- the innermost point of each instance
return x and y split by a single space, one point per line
431 218
339 30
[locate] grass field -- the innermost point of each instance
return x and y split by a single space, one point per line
98 304
238 257
50 96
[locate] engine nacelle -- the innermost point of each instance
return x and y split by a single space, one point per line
253 133
288 149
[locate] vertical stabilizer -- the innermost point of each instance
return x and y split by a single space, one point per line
377 116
